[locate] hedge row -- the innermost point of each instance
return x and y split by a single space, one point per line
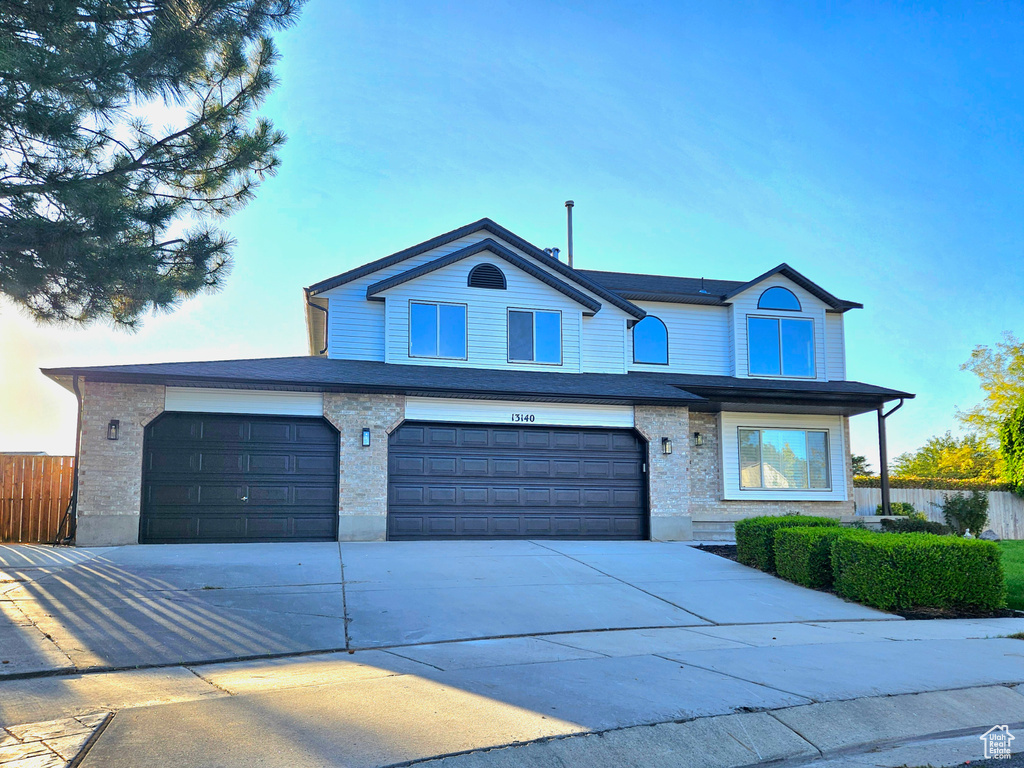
912 570
933 483
804 555
884 570
755 537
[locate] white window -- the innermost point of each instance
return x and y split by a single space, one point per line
437 330
781 459
780 346
534 336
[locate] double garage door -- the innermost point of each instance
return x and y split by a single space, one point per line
220 478
451 481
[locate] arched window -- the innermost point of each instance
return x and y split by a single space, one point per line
486 276
778 297
650 341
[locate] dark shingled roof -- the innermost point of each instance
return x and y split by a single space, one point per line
365 376
687 290
321 373
494 228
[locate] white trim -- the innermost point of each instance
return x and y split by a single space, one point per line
518 413
254 401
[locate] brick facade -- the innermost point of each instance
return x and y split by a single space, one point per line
110 471
363 503
668 476
684 487
713 517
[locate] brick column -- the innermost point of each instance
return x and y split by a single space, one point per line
363 501
668 476
110 471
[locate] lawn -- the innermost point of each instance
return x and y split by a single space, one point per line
1013 567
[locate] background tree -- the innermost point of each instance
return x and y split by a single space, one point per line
967 457
860 465
101 214
1011 446
1000 370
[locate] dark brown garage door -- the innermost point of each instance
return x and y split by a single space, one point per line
451 481
239 478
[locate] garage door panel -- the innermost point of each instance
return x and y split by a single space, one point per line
220 493
212 477
509 482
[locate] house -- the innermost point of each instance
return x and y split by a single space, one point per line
477 386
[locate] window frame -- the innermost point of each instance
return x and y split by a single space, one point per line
782 374
533 312
760 459
799 306
667 347
439 356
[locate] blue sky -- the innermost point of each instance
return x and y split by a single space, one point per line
876 148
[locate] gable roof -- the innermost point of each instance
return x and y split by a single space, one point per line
716 293
486 225
812 288
373 292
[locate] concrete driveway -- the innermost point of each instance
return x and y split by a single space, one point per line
172 604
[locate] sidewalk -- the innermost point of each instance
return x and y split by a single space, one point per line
778 692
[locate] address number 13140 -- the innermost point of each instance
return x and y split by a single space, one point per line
523 417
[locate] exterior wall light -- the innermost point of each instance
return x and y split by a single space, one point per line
366 437
113 428
666 445
698 438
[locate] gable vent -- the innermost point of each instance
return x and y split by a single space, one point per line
486 276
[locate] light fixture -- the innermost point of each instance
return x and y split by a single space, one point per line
113 428
366 437
666 445
698 438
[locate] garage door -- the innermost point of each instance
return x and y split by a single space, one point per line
448 481
212 478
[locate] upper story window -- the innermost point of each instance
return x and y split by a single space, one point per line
437 330
534 336
784 459
486 276
650 341
778 297
781 346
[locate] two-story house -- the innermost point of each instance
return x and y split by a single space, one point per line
476 386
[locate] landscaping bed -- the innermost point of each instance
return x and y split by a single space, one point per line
915 575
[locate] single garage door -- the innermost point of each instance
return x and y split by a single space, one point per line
450 481
212 478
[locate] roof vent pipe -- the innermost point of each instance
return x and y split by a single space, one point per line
702 288
555 252
568 210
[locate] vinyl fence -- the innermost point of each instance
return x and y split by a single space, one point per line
1005 510
34 493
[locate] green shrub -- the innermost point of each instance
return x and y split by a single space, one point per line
966 513
934 483
903 508
755 537
804 555
914 525
918 570
1011 446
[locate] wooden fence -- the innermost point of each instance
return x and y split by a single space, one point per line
1005 511
34 493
